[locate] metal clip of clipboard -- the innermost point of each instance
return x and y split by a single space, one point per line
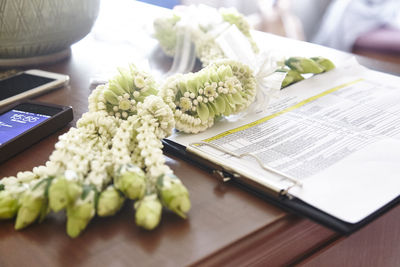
295 182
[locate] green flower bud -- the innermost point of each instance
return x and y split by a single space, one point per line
8 205
173 194
45 209
110 97
148 212
325 63
31 208
80 213
185 103
292 76
303 65
209 91
139 82
33 204
124 104
287 81
63 192
110 202
131 181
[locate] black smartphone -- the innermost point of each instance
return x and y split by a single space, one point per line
25 123
28 84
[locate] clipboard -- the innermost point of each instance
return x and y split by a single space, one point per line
282 199
345 216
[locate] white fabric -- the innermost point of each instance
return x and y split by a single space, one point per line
346 20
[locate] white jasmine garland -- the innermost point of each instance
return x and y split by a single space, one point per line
221 89
203 24
154 120
124 126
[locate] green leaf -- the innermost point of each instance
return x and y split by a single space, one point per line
193 84
46 190
204 77
203 112
1 187
214 76
231 102
220 105
211 113
96 197
237 98
125 81
160 180
110 97
228 109
42 182
213 108
224 71
86 188
116 88
44 210
182 86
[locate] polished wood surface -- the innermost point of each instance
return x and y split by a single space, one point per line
378 244
226 226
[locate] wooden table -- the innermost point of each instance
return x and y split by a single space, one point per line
226 226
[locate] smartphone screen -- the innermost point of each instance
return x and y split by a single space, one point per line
21 83
26 123
22 118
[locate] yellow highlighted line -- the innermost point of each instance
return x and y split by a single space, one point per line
302 103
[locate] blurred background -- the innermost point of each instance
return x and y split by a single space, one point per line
366 27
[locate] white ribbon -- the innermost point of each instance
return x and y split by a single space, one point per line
264 65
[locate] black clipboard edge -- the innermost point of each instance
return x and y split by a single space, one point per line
292 205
